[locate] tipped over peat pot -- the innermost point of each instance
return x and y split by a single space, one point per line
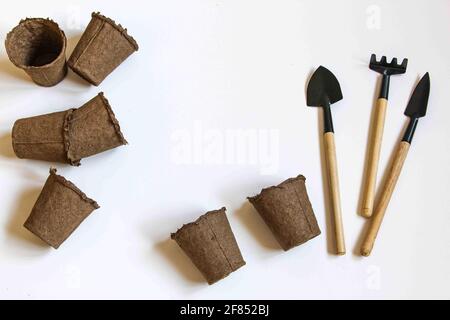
68 136
288 213
38 46
210 244
60 208
103 46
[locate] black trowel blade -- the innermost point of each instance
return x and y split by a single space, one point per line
417 105
323 88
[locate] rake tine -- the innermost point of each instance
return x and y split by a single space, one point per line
388 68
373 58
404 63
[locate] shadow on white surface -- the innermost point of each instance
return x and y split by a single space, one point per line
6 149
180 262
72 43
76 79
15 228
9 158
256 226
8 68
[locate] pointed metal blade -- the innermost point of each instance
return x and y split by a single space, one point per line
417 105
323 88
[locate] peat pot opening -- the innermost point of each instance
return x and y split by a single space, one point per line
35 43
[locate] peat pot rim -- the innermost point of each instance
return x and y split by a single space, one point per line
118 27
112 117
74 188
194 224
279 186
46 21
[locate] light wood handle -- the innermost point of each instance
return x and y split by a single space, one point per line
330 155
373 158
386 193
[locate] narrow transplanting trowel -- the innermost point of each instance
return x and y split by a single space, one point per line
324 90
417 108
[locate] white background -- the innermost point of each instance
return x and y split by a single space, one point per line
220 66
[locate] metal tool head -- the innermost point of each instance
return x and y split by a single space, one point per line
386 68
323 88
417 105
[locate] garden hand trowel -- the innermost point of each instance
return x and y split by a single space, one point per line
417 108
324 90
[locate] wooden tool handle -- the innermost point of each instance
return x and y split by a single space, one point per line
373 158
330 155
386 193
